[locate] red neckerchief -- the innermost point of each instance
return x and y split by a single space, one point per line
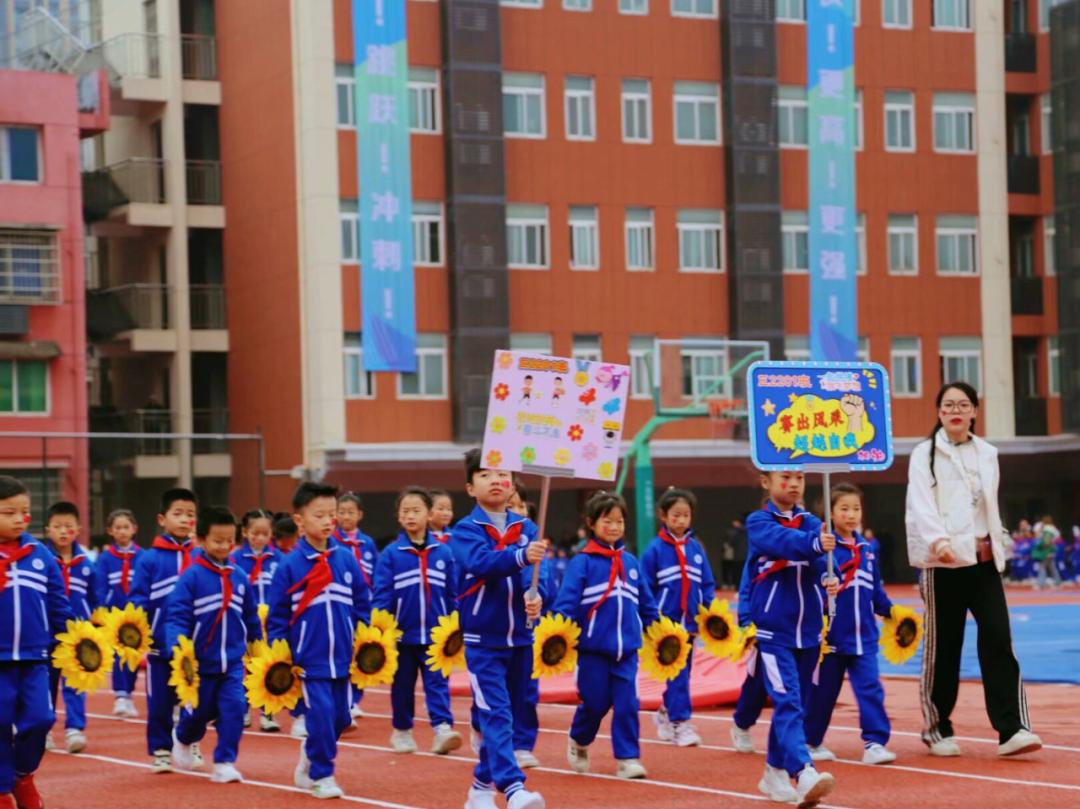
442 536
317 579
9 557
679 545
256 569
502 542
65 569
356 546
850 567
226 592
125 571
617 570
422 555
164 544
792 522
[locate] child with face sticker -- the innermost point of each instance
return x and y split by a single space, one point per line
114 570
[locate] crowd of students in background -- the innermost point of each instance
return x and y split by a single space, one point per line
1043 556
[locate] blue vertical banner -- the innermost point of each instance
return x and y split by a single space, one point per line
830 50
387 292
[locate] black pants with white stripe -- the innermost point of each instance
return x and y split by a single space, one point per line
948 594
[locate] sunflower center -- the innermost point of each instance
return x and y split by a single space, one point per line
667 650
906 632
279 679
553 650
187 668
129 636
88 653
370 658
454 643
717 628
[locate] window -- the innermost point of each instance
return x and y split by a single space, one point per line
896 13
697 112
24 386
587 347
19 158
1053 359
584 238
359 384
350 231
904 359
523 3
523 105
639 238
954 122
795 241
636 111
1023 253
429 381
862 349
526 236
427 221
577 5
1049 256
641 348
701 240
704 372
29 266
345 87
961 360
903 233
1044 13
899 121
533 342
791 10
423 99
858 120
792 117
633 6
693 8
860 244
1047 120
796 348
580 108
956 245
952 15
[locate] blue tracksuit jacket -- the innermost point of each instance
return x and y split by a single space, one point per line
78 582
854 630
364 549
247 561
416 586
156 573
109 585
660 564
33 607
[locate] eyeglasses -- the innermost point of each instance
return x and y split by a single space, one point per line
957 407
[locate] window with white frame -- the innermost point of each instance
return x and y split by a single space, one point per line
359 383
862 349
1049 256
903 238
522 3
858 119
704 372
584 238
527 236
580 108
29 266
956 250
523 105
860 244
639 238
345 90
795 241
350 231
1053 359
577 5
20 158
701 240
905 360
899 121
792 117
1047 121
896 13
586 347
637 7
697 112
424 100
693 8
791 10
952 15
641 348
636 111
533 342
961 360
24 387
429 380
954 122
427 221
796 348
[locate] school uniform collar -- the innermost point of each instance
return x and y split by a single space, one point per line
478 515
76 555
403 543
773 509
618 546
688 535
128 551
309 552
219 565
249 552
859 540
180 543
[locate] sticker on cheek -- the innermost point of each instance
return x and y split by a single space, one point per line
26 519
506 484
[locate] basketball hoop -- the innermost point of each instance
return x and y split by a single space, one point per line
723 416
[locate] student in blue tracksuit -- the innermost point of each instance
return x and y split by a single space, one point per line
112 579
62 529
156 572
414 581
213 605
350 513
786 605
606 592
33 609
317 596
752 695
442 514
679 574
495 550
853 636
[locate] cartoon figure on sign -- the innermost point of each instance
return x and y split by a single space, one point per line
611 432
527 388
558 390
855 409
606 376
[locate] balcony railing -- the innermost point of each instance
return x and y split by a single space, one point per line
1027 295
137 179
207 306
1023 172
123 308
29 267
204 182
214 421
132 56
198 54
1020 53
1030 415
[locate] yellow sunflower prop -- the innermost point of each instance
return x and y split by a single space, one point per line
264 612
84 656
272 681
374 659
747 641
555 646
385 620
447 650
718 627
825 647
185 672
129 633
900 635
100 616
665 649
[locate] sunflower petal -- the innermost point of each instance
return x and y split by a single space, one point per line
273 683
901 634
718 628
374 658
83 655
665 649
446 653
184 672
555 646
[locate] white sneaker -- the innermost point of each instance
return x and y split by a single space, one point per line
247 719
945 747
118 708
74 740
742 740
49 743
523 799
301 775
812 787
226 774
877 754
299 727
446 739
402 741
267 724
196 755
162 762
629 768
821 753
1023 741
326 788
130 711
526 760
665 731
356 712
685 735
480 799
181 754
577 755
777 785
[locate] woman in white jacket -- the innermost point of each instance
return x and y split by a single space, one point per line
955 535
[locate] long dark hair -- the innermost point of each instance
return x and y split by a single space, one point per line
972 396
